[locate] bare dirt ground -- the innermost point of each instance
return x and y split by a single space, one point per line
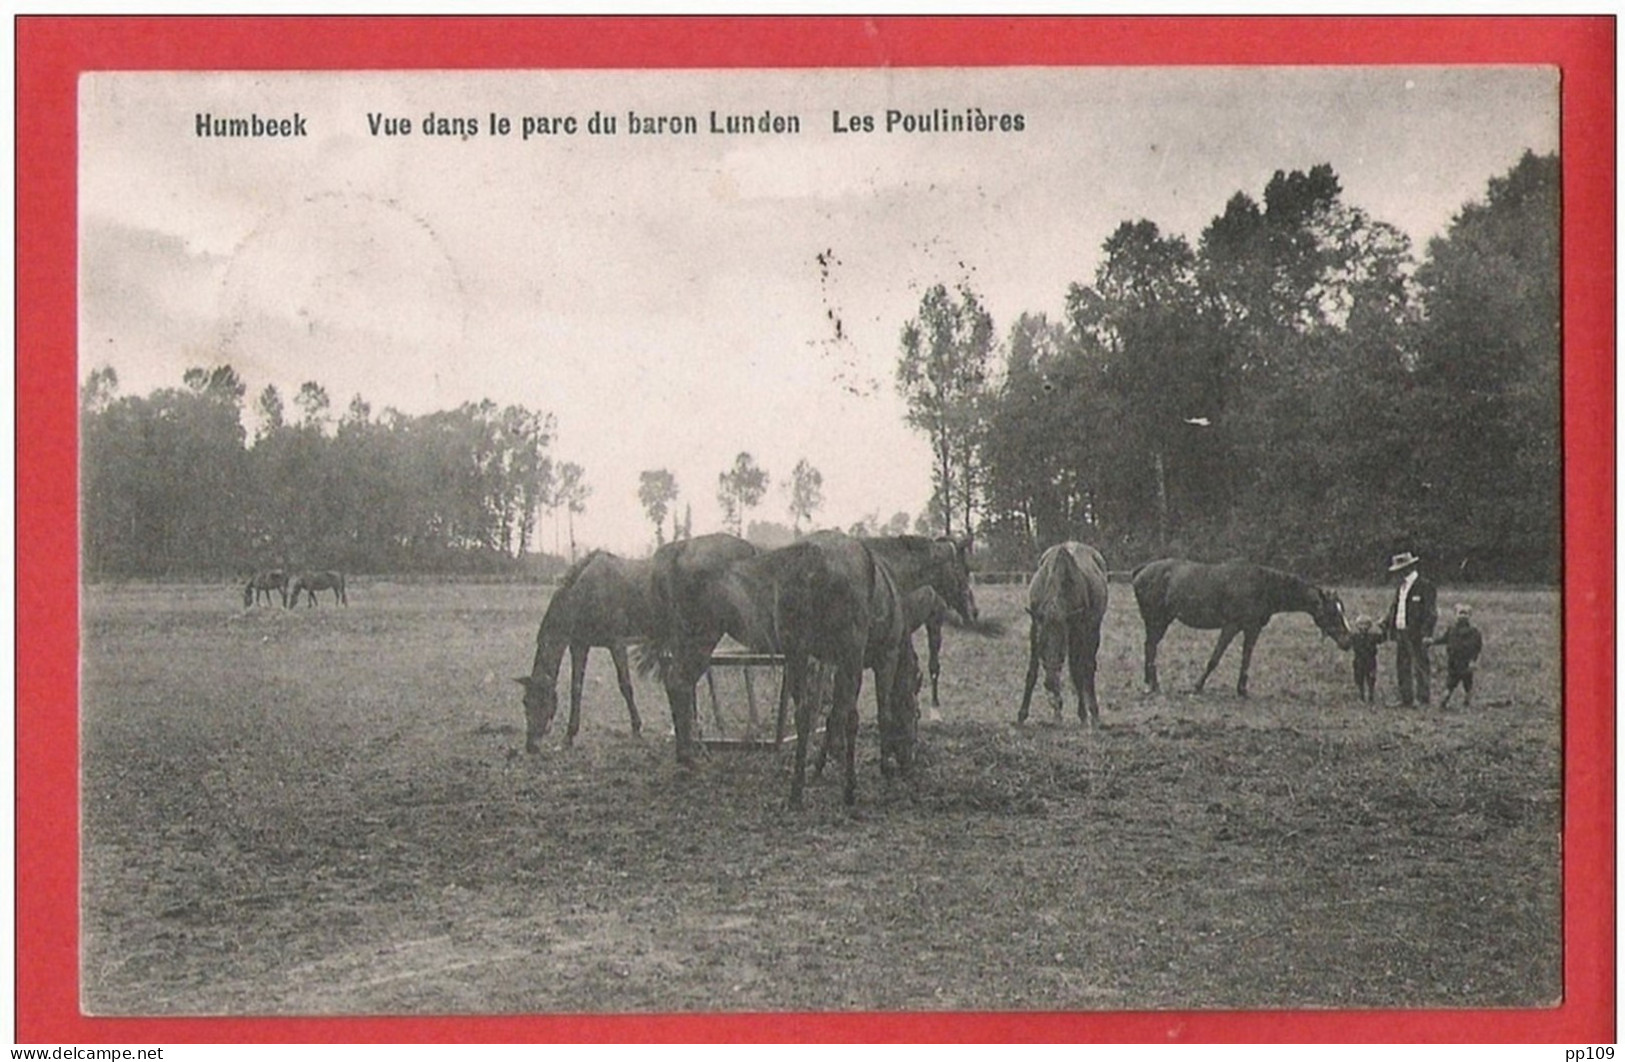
329 811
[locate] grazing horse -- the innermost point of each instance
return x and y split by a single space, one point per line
309 583
837 602
1066 601
1234 597
919 609
603 601
262 583
825 597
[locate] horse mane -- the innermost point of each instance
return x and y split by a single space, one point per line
1295 590
555 613
573 572
910 543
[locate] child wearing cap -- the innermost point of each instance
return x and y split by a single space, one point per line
1462 644
1364 641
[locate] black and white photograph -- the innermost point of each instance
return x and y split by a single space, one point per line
1018 539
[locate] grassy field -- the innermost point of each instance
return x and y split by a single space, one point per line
328 811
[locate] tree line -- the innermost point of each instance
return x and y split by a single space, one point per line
171 483
1295 388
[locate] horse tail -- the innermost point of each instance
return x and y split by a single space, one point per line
651 657
647 660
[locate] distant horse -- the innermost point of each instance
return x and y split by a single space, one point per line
604 601
1234 597
262 583
309 583
1066 602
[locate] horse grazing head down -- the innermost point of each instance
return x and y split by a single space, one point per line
541 702
1049 635
1329 616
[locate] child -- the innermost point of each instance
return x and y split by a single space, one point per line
1365 641
1462 644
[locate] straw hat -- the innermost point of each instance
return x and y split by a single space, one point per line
1400 561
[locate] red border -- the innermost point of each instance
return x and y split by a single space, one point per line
53 51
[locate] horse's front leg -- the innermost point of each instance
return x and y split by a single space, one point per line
933 641
578 676
1153 637
1248 640
848 684
1032 675
681 679
623 675
834 727
893 731
1226 636
795 662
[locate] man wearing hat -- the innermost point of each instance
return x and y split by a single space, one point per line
1411 619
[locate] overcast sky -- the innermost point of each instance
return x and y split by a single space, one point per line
663 296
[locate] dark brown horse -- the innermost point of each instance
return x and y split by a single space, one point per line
942 564
837 602
1233 597
1066 602
825 597
918 564
692 612
309 583
602 601
261 584
924 607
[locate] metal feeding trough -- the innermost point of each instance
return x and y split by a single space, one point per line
759 727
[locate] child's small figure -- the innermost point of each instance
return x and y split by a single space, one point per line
1462 644
1364 642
